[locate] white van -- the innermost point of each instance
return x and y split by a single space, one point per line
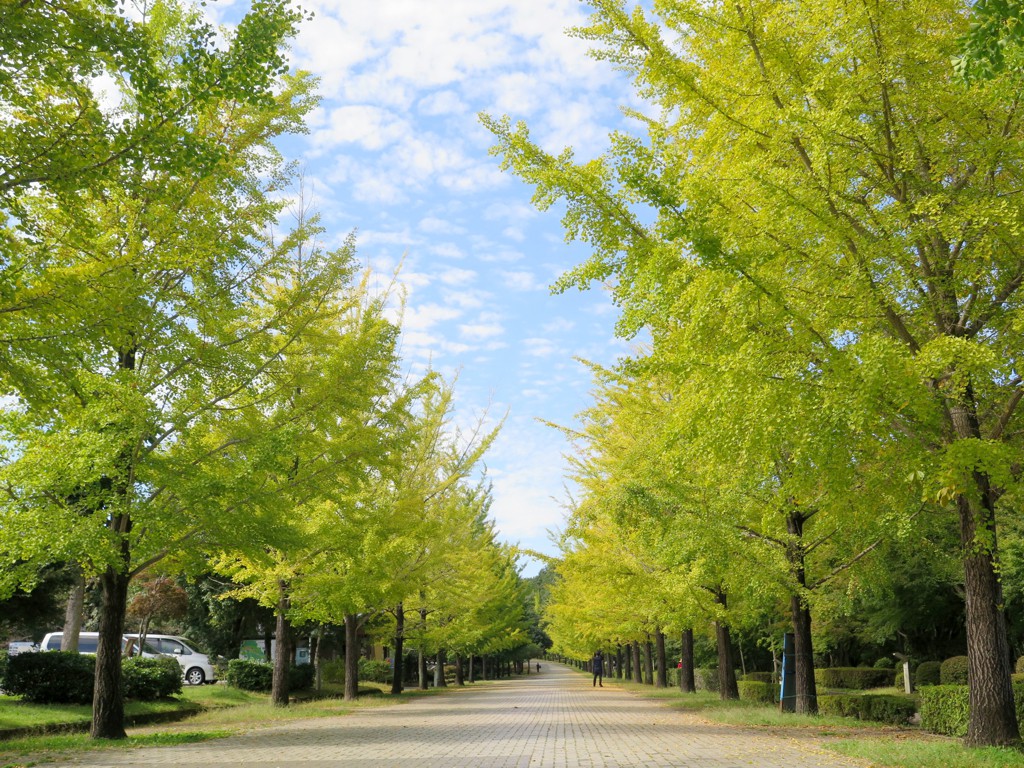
195 666
87 642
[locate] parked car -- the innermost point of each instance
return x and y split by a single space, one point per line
87 642
195 665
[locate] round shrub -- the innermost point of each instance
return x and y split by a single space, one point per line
885 663
1019 668
151 679
250 675
954 671
758 677
928 673
377 671
334 671
54 677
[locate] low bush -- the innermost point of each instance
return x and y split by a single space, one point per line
3 668
855 678
885 663
953 671
333 671
1019 668
151 679
755 690
706 679
944 709
375 671
54 677
300 677
758 677
928 673
250 675
881 708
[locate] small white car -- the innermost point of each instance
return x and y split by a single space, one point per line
195 666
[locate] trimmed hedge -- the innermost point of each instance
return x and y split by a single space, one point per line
944 709
258 676
758 677
706 679
882 708
248 675
855 678
953 671
755 690
1019 668
151 679
54 677
928 673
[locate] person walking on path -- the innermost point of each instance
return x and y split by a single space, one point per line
597 664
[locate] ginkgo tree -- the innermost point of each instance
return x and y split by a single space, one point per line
826 156
125 314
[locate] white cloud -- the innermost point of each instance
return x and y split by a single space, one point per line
559 325
521 281
487 326
368 126
434 225
540 347
455 276
423 317
442 103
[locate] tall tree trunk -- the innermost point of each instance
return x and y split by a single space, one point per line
726 666
803 643
993 718
283 657
459 677
686 682
318 678
351 657
421 669
638 674
659 643
439 681
627 658
397 673
648 662
73 612
471 673
483 667
618 661
108 698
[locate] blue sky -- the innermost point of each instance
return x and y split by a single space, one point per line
396 152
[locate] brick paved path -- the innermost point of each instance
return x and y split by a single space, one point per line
552 719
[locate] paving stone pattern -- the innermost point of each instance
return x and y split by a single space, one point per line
555 719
